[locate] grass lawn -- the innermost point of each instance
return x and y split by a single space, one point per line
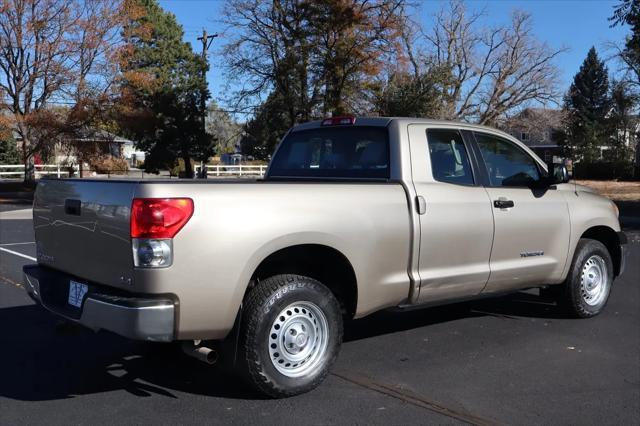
617 191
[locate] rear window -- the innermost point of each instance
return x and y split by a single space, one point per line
334 152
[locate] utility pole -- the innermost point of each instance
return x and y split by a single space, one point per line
206 40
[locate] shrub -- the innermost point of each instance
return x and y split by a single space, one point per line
108 164
603 170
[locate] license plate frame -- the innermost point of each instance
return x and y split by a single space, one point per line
77 291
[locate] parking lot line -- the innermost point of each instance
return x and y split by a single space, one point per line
16 244
15 253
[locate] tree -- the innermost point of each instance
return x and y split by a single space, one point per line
318 57
162 87
8 151
354 40
587 105
223 129
54 51
494 70
410 95
628 12
622 122
270 49
264 132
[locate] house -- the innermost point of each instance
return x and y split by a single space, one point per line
133 156
96 141
538 128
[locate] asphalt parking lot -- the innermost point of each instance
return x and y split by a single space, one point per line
512 360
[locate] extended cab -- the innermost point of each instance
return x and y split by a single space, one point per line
354 215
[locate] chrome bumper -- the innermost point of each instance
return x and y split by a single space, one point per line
133 317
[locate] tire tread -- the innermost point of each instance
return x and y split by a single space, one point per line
250 356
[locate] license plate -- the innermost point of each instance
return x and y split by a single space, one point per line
76 293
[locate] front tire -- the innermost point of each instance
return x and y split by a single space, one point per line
291 335
587 288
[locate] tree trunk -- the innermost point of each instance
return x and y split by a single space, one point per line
188 169
29 165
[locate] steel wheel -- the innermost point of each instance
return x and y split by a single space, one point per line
594 281
298 339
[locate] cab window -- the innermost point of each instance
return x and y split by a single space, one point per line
507 164
449 159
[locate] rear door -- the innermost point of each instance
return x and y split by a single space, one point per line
82 228
456 222
531 223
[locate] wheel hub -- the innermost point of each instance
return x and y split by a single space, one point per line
593 280
298 339
295 337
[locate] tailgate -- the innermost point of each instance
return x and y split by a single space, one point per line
82 228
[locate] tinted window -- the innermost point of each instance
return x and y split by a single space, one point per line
507 164
449 160
334 152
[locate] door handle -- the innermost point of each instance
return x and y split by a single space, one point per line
503 204
421 204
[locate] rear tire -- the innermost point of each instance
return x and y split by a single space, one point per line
588 285
290 336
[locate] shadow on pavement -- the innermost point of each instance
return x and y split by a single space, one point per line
392 321
41 360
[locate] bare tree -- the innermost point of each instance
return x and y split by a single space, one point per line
53 51
318 57
269 49
494 70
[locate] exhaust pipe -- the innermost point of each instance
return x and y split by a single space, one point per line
202 353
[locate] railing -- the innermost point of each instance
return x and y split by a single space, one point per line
235 170
39 170
17 170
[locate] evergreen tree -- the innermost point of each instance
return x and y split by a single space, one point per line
587 105
622 122
267 128
409 95
9 152
162 89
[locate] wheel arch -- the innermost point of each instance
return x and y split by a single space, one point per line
323 263
609 238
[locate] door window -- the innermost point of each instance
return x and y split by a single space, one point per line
449 159
507 164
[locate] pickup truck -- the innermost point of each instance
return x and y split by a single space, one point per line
354 215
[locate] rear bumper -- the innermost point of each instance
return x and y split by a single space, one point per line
139 318
622 239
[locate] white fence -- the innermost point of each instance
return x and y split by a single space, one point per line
235 170
17 170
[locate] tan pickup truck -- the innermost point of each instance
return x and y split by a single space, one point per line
354 215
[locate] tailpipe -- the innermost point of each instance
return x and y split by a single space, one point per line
202 353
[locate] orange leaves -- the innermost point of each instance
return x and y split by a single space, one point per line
140 79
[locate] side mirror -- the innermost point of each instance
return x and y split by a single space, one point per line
557 173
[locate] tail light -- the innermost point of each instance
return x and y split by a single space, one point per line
154 223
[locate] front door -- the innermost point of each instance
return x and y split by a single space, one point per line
531 236
456 220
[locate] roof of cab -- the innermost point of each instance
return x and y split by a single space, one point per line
385 121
